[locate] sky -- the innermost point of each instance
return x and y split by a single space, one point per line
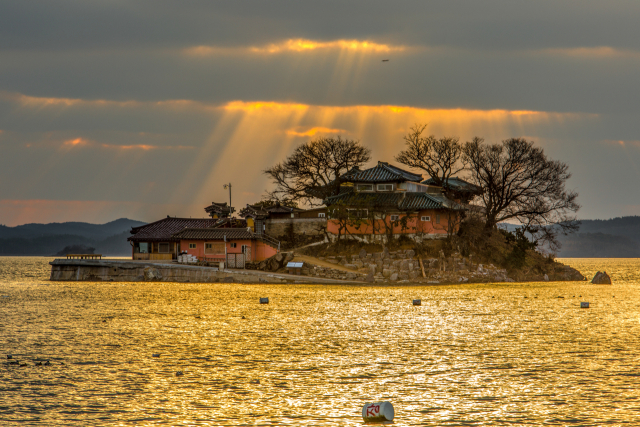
112 109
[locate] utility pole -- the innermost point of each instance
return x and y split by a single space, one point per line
225 186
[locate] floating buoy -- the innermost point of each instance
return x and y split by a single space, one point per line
417 302
9 356
155 355
255 382
378 411
264 300
584 305
179 374
243 317
47 363
39 364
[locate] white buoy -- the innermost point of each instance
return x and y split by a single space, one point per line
417 302
584 305
378 411
264 300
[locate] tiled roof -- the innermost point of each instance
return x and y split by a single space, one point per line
456 184
164 229
383 172
260 210
215 234
219 208
407 201
230 223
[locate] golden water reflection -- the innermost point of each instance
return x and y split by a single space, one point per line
470 355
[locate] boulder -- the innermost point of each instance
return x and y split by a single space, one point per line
279 257
385 253
358 263
601 278
370 278
151 273
411 253
387 272
404 266
394 277
363 253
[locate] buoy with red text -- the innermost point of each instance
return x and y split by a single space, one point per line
377 411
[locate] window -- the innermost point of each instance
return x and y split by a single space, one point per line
163 248
144 248
244 248
385 187
437 219
233 245
358 213
321 215
364 187
192 245
291 214
395 217
425 218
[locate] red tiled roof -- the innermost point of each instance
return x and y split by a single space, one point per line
164 229
215 234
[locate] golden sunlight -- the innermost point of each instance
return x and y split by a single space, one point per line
298 45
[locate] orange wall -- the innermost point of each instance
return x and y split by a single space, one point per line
413 225
259 250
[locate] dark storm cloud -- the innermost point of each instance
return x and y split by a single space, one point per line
133 98
491 24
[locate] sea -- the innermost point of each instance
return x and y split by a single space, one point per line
186 354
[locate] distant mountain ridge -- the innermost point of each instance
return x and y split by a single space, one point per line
604 238
48 239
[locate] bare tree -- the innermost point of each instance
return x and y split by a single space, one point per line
520 183
314 169
440 158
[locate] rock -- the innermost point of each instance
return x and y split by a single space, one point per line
545 278
370 278
385 253
601 278
410 253
508 279
279 257
403 275
228 280
404 266
288 258
363 253
151 273
358 263
387 272
394 277
413 275
351 266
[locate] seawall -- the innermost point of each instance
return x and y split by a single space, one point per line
139 271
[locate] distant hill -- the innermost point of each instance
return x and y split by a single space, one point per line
601 238
49 239
609 238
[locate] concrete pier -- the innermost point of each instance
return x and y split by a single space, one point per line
138 271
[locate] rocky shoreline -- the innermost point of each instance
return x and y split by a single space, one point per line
403 266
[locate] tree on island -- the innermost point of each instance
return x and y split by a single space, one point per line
439 158
314 169
520 183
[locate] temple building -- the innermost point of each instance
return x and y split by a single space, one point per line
385 200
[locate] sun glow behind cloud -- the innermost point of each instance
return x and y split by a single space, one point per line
244 138
297 46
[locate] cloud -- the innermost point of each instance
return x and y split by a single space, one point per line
313 131
297 46
82 142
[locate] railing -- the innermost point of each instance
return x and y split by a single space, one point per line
270 241
84 256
